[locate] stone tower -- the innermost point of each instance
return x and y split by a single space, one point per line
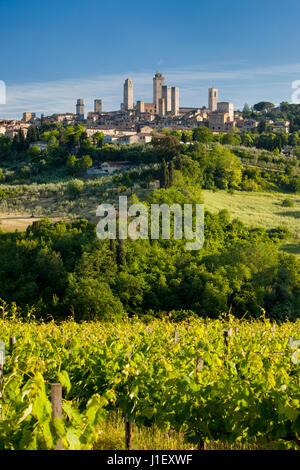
128 94
162 107
98 106
213 95
175 100
166 94
158 82
80 109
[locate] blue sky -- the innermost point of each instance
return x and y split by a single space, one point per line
53 52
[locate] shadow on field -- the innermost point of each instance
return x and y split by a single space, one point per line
295 214
291 248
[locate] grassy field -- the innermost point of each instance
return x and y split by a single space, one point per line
260 209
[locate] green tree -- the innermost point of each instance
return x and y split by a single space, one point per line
203 134
231 139
92 299
84 163
74 188
121 258
71 164
262 126
171 174
264 106
164 182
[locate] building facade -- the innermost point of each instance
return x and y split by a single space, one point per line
80 109
162 107
158 83
175 100
98 106
128 94
213 96
166 95
224 107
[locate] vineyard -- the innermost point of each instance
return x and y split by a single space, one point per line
228 381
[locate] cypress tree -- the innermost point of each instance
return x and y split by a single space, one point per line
112 247
121 252
165 175
22 144
171 174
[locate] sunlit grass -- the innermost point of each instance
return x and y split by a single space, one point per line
112 437
260 209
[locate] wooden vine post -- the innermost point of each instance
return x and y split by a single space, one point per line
128 434
199 367
227 336
56 402
176 336
2 360
12 342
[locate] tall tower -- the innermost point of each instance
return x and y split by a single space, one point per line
162 106
158 82
213 95
166 94
80 109
98 106
175 100
140 106
128 94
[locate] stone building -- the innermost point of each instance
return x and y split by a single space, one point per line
98 106
175 100
224 107
140 107
213 95
166 95
128 94
27 116
220 122
162 107
80 109
65 118
145 108
158 82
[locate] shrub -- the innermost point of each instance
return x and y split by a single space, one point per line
74 188
288 203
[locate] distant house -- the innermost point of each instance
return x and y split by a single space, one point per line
109 139
93 171
128 138
155 184
281 126
145 137
42 145
112 167
287 151
246 124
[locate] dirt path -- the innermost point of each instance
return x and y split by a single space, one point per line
12 222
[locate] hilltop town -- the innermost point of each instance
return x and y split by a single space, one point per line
135 122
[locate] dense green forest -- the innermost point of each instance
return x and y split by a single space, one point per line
63 269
